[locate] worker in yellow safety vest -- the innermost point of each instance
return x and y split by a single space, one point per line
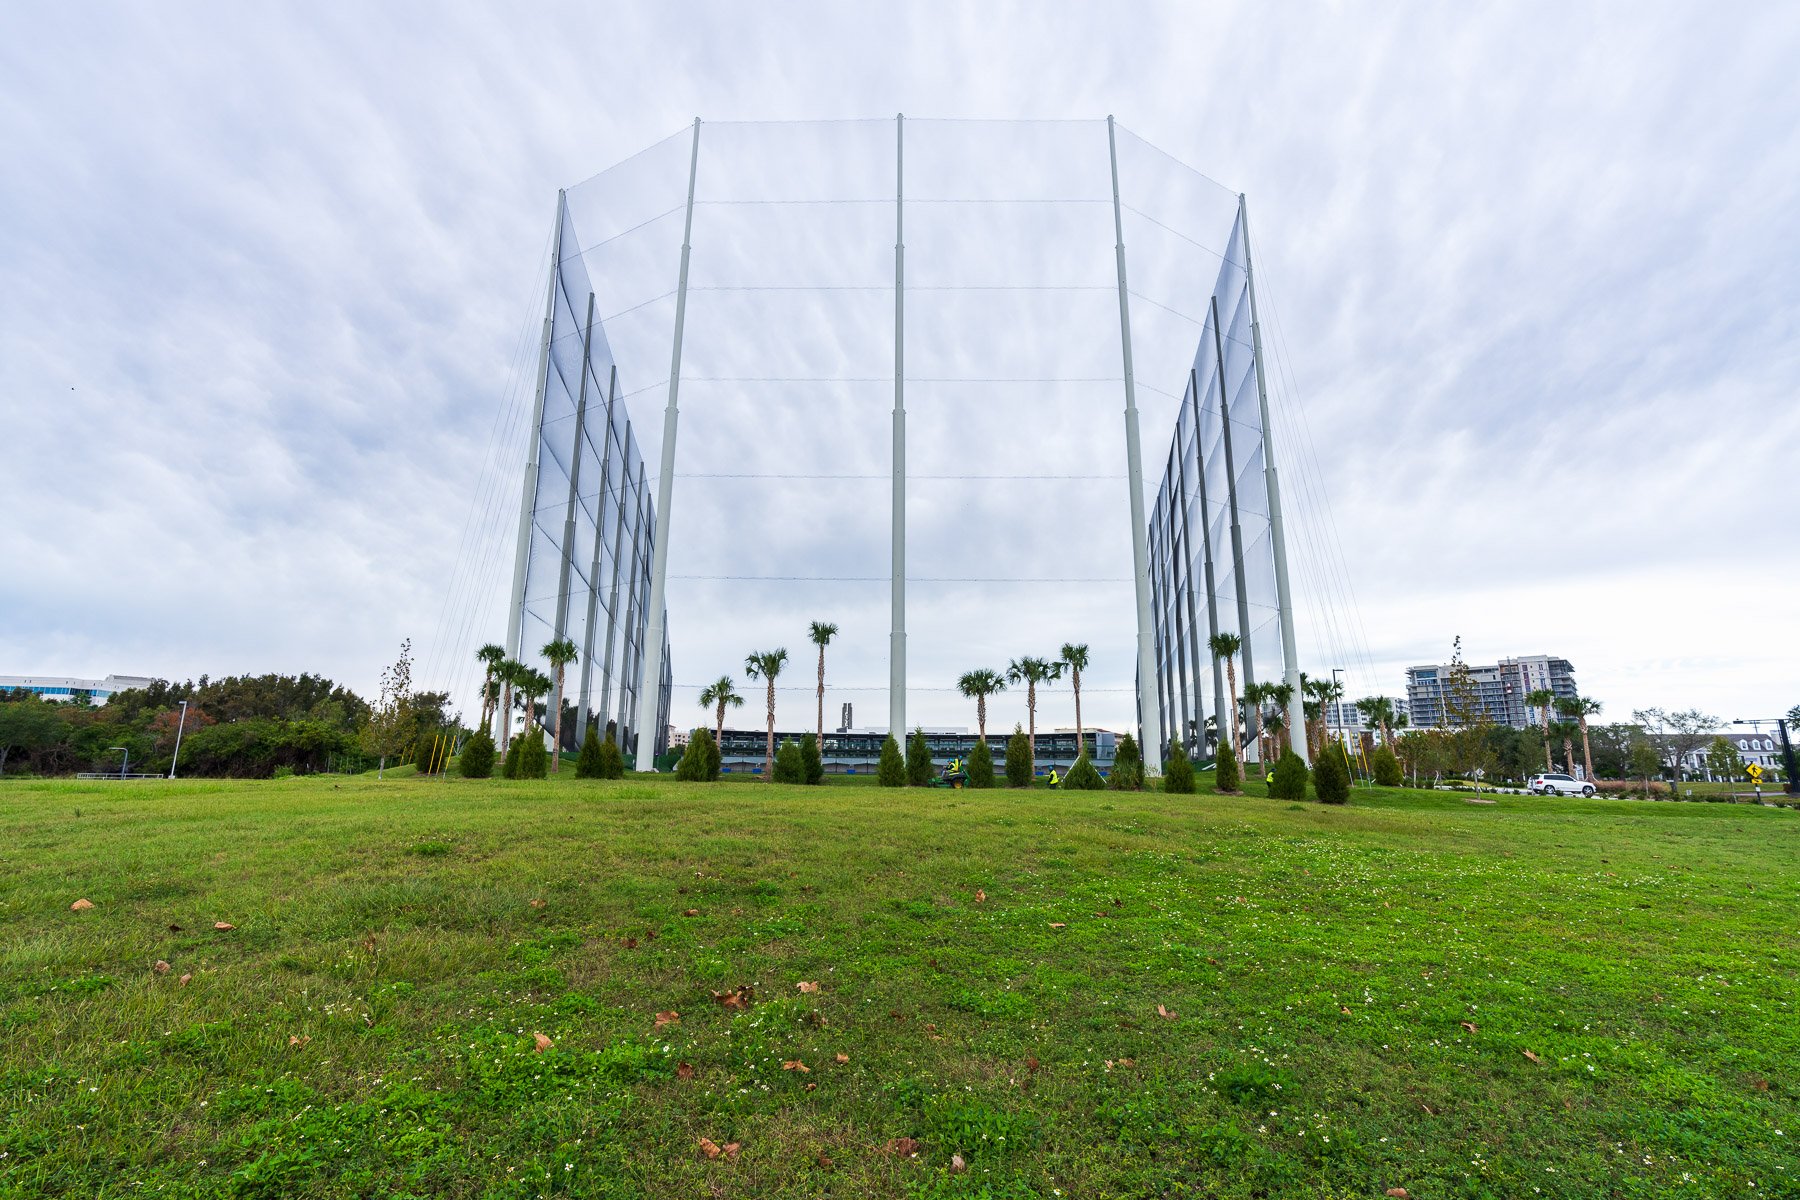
1055 779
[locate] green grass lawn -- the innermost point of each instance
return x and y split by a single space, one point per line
1079 994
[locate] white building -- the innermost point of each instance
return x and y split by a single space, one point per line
1763 749
62 689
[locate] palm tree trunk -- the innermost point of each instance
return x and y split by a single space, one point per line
1031 719
821 697
1569 755
1237 729
769 762
556 753
981 715
719 732
505 717
1587 751
1549 762
1080 740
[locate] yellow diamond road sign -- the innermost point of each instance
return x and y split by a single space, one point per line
1754 770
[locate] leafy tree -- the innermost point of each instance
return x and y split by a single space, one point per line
981 765
1082 777
978 685
490 656
821 633
1178 772
1075 658
1677 735
1226 777
766 665
811 760
560 653
1128 766
1225 647
1331 776
534 760
477 758
918 760
1643 761
1290 777
587 763
1386 767
1722 758
789 766
1019 759
697 763
390 729
717 695
1031 672
1544 700
892 770
29 725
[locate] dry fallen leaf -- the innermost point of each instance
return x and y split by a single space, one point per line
174 929
930 1028
224 926
905 1147
161 968
631 943
980 896
1164 1013
1343 1009
710 1148
1058 925
1128 1062
794 1064
731 1150
692 912
957 1165
537 904
812 1087
1031 1064
667 1018
543 1043
1427 1109
1398 1193
1468 1025
824 1162
844 1058
298 1040
732 999
651 935
81 905
684 1070
808 985
185 979
1534 1058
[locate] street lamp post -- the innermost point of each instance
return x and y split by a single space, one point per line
1791 784
178 728
124 763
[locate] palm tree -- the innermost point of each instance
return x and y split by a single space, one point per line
508 673
822 633
491 656
1541 699
1379 712
978 685
1255 696
1278 696
718 694
766 665
534 684
1075 657
560 653
1566 731
1224 647
1581 708
1327 692
1031 672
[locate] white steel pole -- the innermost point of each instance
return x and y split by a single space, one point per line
659 560
1134 470
1253 734
593 605
897 638
1284 603
178 729
528 496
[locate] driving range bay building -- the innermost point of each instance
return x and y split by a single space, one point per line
858 751
1218 561
587 523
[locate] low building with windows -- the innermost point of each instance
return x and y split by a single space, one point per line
62 689
1763 749
858 751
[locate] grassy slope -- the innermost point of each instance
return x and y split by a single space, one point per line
1320 964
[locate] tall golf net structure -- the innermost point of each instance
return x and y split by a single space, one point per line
911 375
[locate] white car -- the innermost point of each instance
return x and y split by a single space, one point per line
1550 784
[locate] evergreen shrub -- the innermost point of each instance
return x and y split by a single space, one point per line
612 762
1128 766
1019 766
1227 777
892 771
1082 777
981 765
812 763
1387 767
1178 772
587 764
477 758
1331 776
699 762
534 760
790 767
1290 778
918 760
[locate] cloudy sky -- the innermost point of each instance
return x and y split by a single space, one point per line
1535 270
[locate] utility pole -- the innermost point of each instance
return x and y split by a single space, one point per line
897 637
648 700
1134 472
